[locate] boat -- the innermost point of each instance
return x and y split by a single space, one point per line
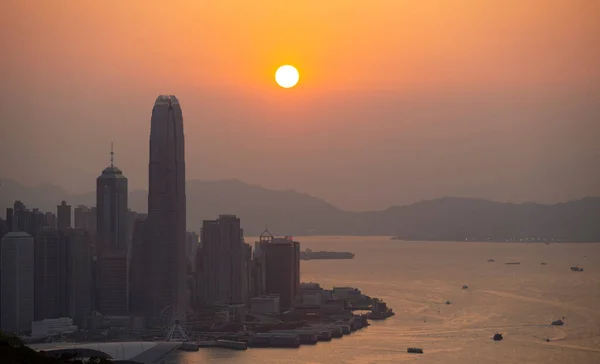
414 350
491 260
576 269
497 337
380 315
512 263
465 286
543 263
558 323
309 254
230 344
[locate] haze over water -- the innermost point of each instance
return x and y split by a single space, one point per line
416 278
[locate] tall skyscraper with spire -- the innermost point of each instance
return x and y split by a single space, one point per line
164 245
112 289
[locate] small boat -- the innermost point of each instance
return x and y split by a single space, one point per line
414 350
558 323
229 344
491 260
576 269
512 263
543 263
497 337
448 302
465 286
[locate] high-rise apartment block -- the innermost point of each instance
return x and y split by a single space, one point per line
63 214
84 218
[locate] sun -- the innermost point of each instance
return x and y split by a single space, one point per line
287 76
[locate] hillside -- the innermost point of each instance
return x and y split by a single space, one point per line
292 213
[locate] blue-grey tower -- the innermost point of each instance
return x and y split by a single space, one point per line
165 235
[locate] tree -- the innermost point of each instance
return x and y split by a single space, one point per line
14 351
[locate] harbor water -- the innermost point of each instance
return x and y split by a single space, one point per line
417 278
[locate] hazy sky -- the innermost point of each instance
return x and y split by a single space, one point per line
398 100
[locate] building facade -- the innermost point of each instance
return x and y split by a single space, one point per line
112 242
63 216
16 282
136 272
51 274
85 218
223 260
279 259
164 245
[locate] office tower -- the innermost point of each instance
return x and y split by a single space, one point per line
63 275
80 284
280 262
112 289
84 218
63 214
16 282
136 272
10 215
221 266
51 274
164 246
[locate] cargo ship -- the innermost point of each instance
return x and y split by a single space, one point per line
309 254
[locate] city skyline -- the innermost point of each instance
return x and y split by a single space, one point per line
426 169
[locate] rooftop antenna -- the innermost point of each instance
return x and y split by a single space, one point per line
112 155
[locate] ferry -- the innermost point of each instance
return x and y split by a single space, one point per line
309 254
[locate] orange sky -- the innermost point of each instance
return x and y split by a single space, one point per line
372 73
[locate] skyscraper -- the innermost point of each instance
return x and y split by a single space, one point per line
16 312
63 214
279 259
112 215
222 264
164 246
111 209
63 275
52 258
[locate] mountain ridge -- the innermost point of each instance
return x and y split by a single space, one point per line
289 212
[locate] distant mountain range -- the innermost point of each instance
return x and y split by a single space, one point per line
292 213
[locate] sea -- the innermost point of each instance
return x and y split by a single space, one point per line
417 278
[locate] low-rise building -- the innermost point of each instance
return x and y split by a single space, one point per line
51 327
268 304
346 292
